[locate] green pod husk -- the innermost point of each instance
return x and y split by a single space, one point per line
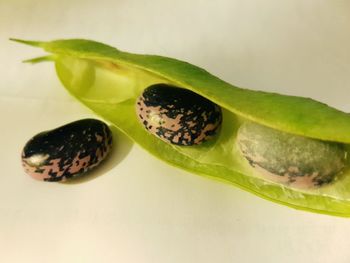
108 81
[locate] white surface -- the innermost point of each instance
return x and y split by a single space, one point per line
136 208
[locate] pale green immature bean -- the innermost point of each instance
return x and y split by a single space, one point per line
290 159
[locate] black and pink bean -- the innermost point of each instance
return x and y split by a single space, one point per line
67 151
178 116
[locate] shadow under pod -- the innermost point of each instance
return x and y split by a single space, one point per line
121 147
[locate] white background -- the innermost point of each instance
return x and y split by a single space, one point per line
136 208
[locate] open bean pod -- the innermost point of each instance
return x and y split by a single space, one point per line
287 149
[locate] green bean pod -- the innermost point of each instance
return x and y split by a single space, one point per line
109 81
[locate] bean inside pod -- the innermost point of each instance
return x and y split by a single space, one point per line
289 159
177 115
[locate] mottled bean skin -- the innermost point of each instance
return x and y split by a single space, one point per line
67 151
178 116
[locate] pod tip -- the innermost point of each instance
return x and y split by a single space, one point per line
28 42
